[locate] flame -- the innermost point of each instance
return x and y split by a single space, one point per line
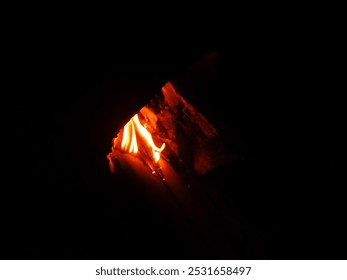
130 143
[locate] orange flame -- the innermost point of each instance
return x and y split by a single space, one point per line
129 140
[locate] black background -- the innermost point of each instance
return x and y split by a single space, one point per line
74 85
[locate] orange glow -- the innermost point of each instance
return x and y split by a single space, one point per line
129 142
134 130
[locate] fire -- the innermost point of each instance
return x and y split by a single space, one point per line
130 144
169 131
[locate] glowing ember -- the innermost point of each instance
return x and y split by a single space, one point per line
192 144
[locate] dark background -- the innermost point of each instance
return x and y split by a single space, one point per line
74 86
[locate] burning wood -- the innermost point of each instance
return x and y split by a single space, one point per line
135 139
169 128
